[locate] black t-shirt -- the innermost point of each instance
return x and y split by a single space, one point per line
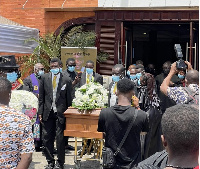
114 121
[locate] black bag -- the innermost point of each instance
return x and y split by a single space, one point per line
108 158
107 153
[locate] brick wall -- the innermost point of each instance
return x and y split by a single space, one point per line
34 15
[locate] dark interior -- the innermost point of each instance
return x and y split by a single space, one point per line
154 43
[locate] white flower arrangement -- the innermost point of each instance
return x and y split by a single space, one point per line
25 102
90 96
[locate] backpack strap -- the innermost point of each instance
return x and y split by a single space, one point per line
127 132
191 95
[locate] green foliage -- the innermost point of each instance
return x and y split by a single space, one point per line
102 56
76 37
49 47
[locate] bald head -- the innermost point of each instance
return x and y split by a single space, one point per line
192 77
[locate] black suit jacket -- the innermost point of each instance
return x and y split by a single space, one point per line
63 96
97 78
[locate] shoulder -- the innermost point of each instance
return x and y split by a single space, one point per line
105 111
66 78
17 116
98 75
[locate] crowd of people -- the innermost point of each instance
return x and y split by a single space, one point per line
161 101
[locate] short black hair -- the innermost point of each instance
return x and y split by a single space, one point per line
120 67
180 126
125 86
140 66
5 85
70 59
90 61
56 60
139 62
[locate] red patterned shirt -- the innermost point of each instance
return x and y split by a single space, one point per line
15 137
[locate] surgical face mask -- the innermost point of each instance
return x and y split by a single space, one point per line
115 78
138 75
128 73
181 76
139 82
40 72
71 68
133 77
60 70
55 71
89 70
12 77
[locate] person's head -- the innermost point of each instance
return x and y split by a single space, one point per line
89 67
133 73
140 70
70 64
129 68
181 74
38 69
192 77
151 69
139 62
55 65
166 67
118 72
5 90
180 127
9 68
126 88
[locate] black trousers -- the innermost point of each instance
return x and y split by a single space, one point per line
53 129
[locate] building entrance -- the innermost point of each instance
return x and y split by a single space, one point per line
154 43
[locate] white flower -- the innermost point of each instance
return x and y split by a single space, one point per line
24 101
90 96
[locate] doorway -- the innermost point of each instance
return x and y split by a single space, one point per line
154 43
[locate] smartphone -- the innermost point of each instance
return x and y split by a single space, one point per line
79 74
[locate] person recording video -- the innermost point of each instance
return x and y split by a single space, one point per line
184 95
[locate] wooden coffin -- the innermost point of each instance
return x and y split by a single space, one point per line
82 123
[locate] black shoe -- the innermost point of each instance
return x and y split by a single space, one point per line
59 166
69 147
49 166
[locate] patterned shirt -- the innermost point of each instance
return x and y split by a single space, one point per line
179 95
15 137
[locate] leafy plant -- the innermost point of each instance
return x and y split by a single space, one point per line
48 47
76 37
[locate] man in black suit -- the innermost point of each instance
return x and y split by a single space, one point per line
70 72
90 75
54 99
118 73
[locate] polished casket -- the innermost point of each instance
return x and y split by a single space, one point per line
82 123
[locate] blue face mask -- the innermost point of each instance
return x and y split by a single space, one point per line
133 77
71 68
128 73
60 70
115 78
41 72
12 77
181 76
89 70
55 71
139 82
138 75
